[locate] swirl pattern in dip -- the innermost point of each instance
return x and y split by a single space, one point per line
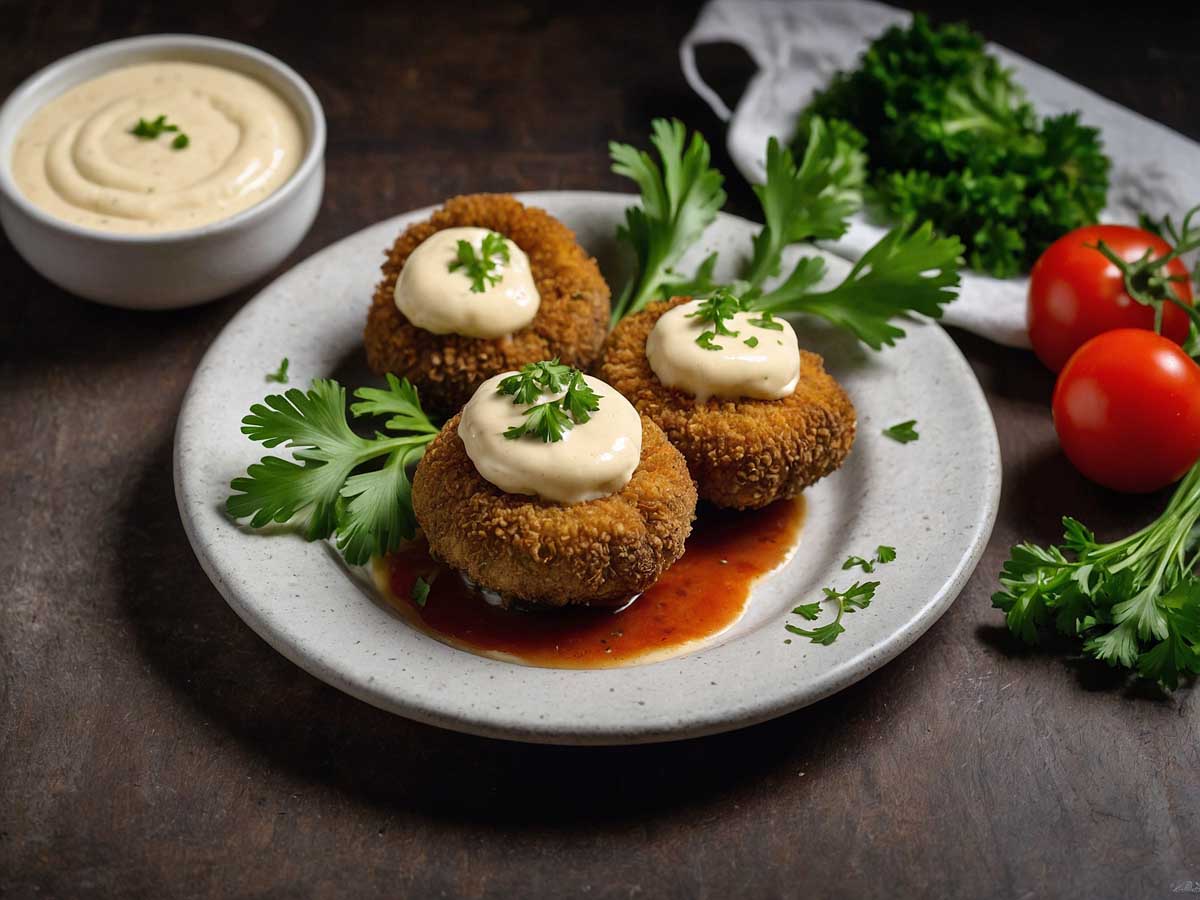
77 159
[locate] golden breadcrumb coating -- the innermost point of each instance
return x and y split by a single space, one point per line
743 453
570 323
599 551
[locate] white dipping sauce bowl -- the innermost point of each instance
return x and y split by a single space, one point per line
176 268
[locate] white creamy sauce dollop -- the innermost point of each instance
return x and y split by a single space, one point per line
438 299
768 370
594 459
77 159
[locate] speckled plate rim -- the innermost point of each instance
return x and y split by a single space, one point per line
308 606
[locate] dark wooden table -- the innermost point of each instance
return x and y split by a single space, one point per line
152 746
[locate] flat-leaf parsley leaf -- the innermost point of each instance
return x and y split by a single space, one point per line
679 201
367 512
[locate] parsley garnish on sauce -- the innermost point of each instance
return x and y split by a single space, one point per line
552 419
527 385
717 309
481 268
151 129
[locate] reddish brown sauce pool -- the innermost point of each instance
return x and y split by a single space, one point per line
701 595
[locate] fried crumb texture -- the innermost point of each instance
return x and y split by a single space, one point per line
743 454
600 551
570 324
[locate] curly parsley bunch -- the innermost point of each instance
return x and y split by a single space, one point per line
951 139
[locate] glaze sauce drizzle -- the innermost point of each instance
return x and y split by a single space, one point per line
701 595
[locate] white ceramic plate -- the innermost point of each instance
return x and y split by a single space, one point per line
934 500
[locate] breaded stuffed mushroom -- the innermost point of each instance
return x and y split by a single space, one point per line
549 488
756 418
485 285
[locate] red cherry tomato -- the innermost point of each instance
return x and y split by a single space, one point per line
1127 410
1076 294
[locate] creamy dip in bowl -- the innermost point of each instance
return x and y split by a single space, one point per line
160 171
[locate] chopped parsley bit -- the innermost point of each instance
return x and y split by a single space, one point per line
857 596
552 419
706 341
751 342
280 375
481 269
151 129
904 432
865 564
768 321
883 554
809 611
420 591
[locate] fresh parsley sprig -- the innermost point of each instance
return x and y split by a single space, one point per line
481 268
909 269
905 271
809 201
150 129
367 512
679 200
857 596
1134 603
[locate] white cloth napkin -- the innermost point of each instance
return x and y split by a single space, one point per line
798 44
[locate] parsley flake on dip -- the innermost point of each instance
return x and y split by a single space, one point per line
157 147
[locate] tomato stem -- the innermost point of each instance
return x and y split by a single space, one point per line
1145 280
